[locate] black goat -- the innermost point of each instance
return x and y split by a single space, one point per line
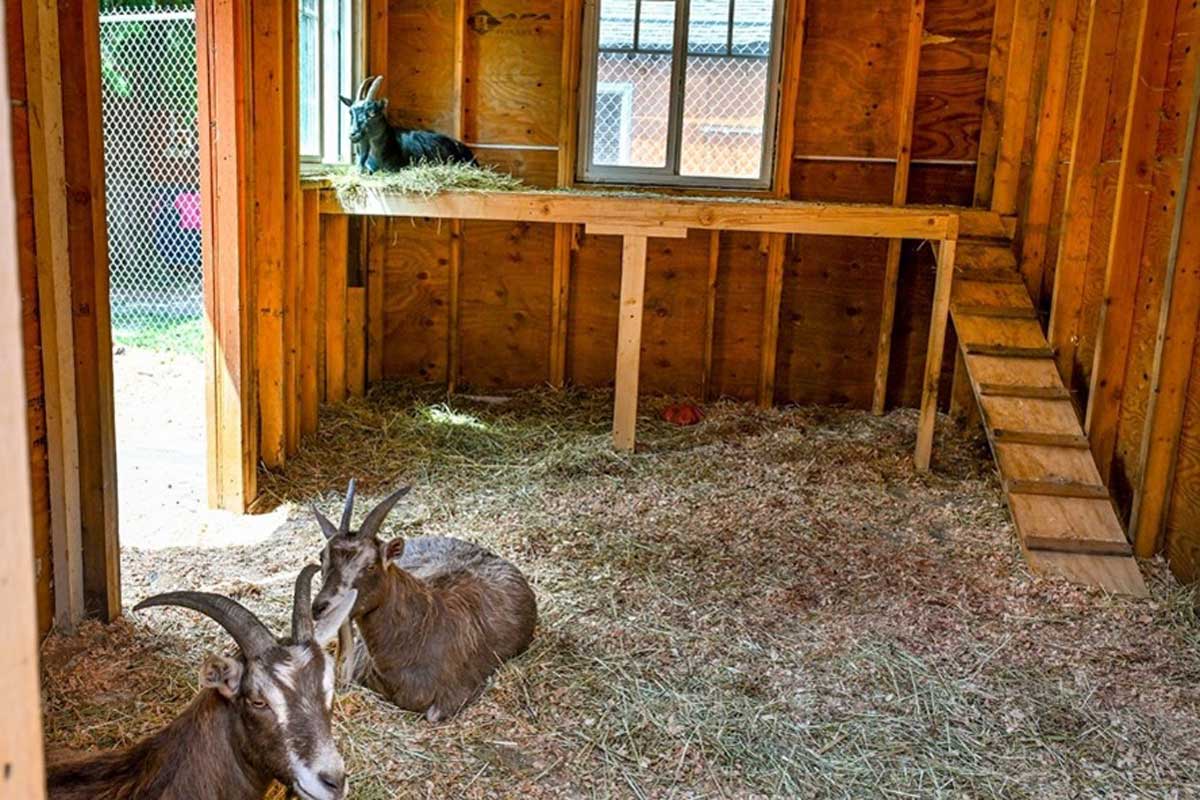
378 145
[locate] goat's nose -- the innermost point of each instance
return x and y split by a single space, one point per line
334 781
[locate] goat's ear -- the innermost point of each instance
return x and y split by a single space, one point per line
326 628
346 101
391 549
223 674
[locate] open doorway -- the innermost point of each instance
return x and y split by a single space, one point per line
148 91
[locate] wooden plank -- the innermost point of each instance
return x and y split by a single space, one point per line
453 340
377 37
1047 140
1079 518
1082 203
310 320
268 227
904 142
377 244
568 101
773 294
993 105
1132 210
1029 414
560 287
1175 344
1113 574
1033 392
416 301
293 212
785 138
336 243
231 405
995 312
1004 351
21 734
645 231
1004 436
1088 546
933 354
985 275
55 305
1056 489
629 342
458 103
1017 90
356 341
710 309
766 216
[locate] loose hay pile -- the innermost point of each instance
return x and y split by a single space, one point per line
771 603
422 180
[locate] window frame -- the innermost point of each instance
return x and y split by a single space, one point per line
339 73
668 175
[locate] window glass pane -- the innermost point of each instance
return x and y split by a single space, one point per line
656 25
633 97
616 24
752 27
331 81
724 111
708 26
310 79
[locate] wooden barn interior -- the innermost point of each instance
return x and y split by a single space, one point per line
987 210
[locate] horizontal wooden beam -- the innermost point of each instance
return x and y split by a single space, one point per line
1085 491
1038 439
650 214
1027 392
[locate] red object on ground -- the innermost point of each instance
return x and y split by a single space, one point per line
682 414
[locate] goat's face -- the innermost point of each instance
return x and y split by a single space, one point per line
279 691
367 118
283 701
355 561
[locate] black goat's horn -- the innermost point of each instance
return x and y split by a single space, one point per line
302 614
375 519
347 509
374 90
251 635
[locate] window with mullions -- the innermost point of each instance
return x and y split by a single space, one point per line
679 91
329 50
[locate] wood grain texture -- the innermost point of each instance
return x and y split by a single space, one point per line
593 308
738 312
416 300
504 319
336 244
992 119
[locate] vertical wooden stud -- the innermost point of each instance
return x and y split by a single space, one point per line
710 309
773 296
560 284
377 242
629 341
452 338
337 231
933 354
309 312
1018 85
356 341
993 103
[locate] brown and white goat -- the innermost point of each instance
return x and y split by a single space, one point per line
437 615
262 716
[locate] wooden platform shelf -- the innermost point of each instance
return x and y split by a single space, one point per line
1063 514
637 219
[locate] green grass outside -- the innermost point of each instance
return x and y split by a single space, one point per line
153 332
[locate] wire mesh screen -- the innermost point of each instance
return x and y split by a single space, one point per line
152 172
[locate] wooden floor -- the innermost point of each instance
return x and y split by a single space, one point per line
1061 508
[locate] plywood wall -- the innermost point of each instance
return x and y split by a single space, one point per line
846 128
1119 273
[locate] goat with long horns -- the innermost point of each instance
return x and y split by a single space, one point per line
260 716
381 146
437 615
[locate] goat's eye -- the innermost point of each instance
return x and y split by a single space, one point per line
258 703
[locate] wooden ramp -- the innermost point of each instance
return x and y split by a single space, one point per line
1061 508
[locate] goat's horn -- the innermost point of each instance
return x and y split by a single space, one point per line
374 90
375 519
251 635
327 527
362 88
348 509
302 614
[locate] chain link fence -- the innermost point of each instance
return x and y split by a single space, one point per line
152 173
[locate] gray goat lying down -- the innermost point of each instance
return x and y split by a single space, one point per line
437 615
379 145
260 716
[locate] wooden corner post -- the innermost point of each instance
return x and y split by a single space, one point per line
938 322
